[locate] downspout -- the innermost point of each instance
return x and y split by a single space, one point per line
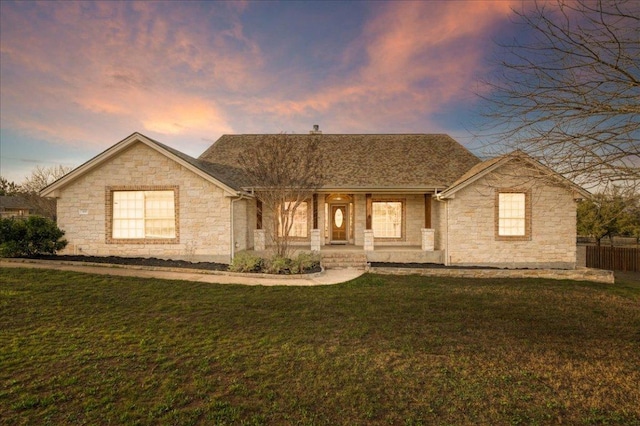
446 220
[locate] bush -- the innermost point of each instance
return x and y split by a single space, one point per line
278 265
246 262
306 261
28 237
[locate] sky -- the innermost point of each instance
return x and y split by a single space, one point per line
77 77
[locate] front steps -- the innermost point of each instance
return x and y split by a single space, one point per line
344 260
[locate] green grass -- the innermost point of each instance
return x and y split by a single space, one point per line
87 349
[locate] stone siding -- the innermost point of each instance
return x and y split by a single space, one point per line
203 210
472 224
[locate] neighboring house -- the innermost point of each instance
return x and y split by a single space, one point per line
395 198
14 206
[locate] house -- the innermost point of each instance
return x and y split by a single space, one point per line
14 206
394 198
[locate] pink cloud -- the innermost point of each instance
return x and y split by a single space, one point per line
132 65
420 56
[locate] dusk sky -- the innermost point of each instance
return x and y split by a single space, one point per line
77 77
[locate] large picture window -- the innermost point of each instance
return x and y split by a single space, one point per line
299 220
143 215
387 219
513 215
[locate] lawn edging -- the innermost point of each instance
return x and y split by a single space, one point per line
578 274
164 269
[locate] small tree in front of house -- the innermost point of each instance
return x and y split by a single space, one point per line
284 172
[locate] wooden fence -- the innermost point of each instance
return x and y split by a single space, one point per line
613 258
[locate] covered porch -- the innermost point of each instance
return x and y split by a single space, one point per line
387 227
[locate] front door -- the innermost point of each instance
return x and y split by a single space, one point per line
339 223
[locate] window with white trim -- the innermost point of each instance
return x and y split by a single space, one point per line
512 214
143 215
298 220
386 219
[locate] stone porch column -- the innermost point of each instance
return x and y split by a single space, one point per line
259 240
368 240
428 239
315 240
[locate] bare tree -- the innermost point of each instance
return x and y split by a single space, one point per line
40 178
570 96
284 172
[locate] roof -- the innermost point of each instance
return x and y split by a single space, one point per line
199 167
14 202
363 162
486 167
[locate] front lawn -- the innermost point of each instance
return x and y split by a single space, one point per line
88 349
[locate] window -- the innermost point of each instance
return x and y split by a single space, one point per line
387 219
513 215
299 220
143 215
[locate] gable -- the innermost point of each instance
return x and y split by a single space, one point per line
405 162
525 167
125 145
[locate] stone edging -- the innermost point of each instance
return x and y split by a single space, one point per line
165 269
579 274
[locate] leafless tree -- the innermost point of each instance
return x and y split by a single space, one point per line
32 185
570 96
284 172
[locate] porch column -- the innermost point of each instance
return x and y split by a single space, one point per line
368 240
259 240
427 210
315 211
428 239
315 240
369 210
258 214
368 232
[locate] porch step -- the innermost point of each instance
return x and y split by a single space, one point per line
357 260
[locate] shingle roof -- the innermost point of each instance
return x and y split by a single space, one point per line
224 174
361 161
14 202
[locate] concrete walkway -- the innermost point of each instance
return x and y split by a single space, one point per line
328 277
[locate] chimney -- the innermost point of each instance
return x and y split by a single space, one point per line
316 130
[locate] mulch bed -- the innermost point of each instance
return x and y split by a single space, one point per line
138 261
213 266
148 261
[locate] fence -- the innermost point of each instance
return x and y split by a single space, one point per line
606 241
613 258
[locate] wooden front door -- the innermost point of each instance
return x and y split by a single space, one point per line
339 219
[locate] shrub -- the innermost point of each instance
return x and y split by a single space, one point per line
246 262
29 237
278 265
306 261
